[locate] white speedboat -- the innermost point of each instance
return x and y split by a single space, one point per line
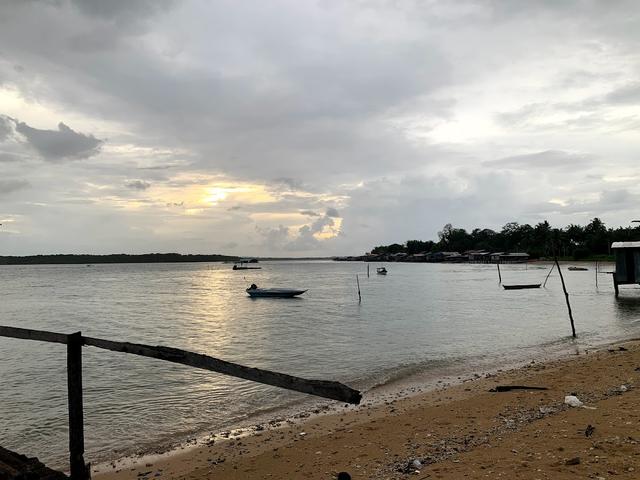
254 291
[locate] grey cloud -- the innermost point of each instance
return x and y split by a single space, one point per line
306 94
309 213
10 186
549 159
137 185
122 10
629 94
6 127
274 239
289 183
608 201
333 213
61 144
6 157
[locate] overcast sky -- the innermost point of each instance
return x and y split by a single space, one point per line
296 128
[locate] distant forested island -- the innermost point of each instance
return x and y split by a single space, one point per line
114 258
573 241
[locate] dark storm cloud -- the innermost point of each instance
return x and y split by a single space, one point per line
61 144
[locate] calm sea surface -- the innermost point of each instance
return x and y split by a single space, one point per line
419 318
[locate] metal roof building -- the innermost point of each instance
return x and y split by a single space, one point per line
627 263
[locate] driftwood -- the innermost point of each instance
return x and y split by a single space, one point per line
320 388
508 388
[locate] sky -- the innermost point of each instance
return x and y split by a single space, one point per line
310 128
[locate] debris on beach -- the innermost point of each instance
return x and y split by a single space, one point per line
508 388
573 401
589 430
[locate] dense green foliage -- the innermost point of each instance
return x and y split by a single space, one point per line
540 240
115 258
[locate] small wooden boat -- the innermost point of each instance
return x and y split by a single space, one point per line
578 269
522 286
254 291
244 266
381 271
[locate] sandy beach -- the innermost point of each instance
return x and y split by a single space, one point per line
458 431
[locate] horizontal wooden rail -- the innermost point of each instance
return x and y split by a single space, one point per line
321 388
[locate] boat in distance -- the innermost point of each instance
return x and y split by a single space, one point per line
520 287
578 269
244 265
254 291
381 271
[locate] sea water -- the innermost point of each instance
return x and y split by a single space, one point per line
418 319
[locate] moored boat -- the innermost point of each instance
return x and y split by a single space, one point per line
381 271
578 269
521 286
244 265
254 291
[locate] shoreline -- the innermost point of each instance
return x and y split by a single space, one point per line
413 380
254 451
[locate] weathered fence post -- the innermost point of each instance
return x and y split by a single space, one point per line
79 470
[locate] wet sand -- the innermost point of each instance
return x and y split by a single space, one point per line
459 431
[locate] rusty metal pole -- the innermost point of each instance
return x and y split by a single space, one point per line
79 470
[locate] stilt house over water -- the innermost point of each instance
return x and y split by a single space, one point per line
627 264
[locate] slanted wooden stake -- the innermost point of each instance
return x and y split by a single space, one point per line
550 270
566 297
499 275
358 282
79 470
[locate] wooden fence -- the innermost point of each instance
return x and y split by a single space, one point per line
78 468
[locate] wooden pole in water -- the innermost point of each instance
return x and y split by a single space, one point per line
367 270
596 274
358 282
78 469
545 280
566 297
499 274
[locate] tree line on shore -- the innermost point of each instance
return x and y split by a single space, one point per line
579 242
114 258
